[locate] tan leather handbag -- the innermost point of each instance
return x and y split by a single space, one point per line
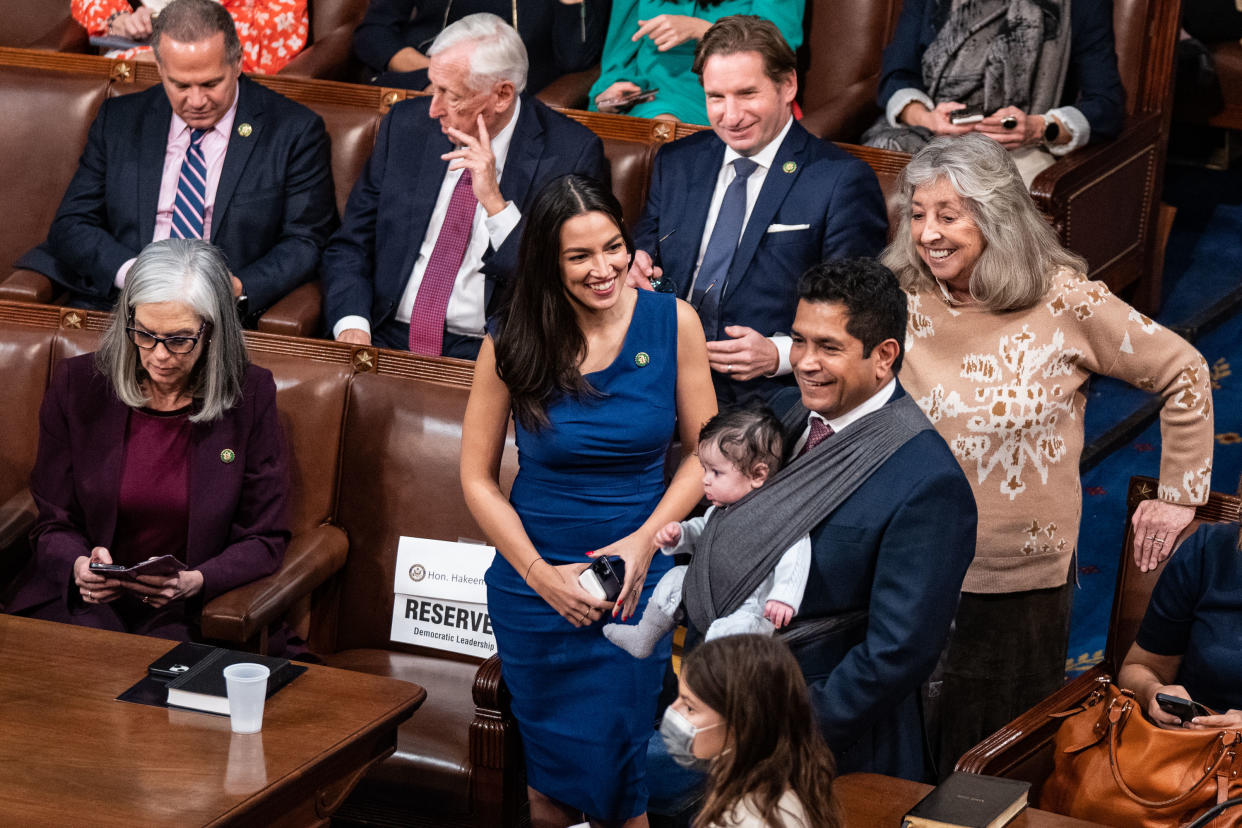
1115 767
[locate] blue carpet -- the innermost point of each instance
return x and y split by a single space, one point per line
1203 268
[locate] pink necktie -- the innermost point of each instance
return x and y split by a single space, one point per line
427 317
820 431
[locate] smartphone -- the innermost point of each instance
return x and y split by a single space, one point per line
603 578
629 100
1184 709
966 115
105 569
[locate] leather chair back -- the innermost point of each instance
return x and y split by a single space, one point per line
25 364
416 491
35 164
629 163
328 15
351 129
839 62
27 22
315 390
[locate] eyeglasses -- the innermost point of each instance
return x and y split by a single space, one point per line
174 344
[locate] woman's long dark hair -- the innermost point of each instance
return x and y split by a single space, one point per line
539 345
773 743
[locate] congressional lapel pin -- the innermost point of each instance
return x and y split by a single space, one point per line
228 456
789 166
641 359
244 130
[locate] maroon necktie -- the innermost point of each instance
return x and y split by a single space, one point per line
820 431
427 316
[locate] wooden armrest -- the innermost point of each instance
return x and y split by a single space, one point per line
28 286
312 558
570 91
327 58
1085 166
847 115
498 786
297 314
1005 752
17 517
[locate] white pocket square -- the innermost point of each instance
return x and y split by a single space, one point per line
785 228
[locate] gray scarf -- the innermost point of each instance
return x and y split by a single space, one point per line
992 53
741 545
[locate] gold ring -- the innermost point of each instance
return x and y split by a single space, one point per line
89 594
1158 540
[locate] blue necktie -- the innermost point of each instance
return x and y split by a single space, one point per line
713 274
188 207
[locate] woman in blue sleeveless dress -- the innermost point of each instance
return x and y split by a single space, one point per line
597 375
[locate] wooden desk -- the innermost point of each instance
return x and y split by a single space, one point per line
870 800
71 754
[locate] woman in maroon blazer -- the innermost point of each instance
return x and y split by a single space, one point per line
165 441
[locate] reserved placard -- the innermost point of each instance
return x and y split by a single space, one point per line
440 599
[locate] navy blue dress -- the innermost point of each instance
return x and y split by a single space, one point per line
584 706
1196 612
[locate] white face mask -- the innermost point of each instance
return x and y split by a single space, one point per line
678 734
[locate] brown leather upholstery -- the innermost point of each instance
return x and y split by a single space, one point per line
40 24
42 132
840 62
1022 749
25 363
330 52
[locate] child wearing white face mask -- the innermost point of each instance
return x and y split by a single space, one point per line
744 715
739 450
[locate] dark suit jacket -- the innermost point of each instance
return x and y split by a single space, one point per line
368 261
1093 84
824 187
274 207
559 38
238 526
897 547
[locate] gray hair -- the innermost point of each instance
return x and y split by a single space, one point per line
192 272
1022 252
193 21
499 54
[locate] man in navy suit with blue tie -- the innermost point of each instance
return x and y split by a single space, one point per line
431 230
734 216
208 154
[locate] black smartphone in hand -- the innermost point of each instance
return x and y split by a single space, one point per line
1184 709
966 115
603 578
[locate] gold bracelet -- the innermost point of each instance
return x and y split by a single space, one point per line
537 559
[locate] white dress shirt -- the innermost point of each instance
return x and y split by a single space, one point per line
465 315
754 184
843 421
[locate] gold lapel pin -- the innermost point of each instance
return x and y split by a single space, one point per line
244 130
789 166
228 456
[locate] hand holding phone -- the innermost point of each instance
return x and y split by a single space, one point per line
966 115
603 578
628 100
1184 709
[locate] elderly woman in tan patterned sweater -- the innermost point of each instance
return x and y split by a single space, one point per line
1004 330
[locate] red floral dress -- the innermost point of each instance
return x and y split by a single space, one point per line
272 32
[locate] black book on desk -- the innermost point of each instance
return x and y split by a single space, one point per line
970 800
202 687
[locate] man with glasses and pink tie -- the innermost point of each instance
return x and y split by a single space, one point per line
208 154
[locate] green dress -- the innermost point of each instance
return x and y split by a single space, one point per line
681 93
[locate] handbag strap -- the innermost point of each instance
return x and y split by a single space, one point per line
1117 715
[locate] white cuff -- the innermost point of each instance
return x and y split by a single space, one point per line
501 225
351 322
783 344
1073 121
123 271
901 99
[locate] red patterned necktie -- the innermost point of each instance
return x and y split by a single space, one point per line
427 317
820 431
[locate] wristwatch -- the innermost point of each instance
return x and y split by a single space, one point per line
1051 130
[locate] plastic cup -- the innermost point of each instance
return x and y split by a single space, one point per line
247 690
